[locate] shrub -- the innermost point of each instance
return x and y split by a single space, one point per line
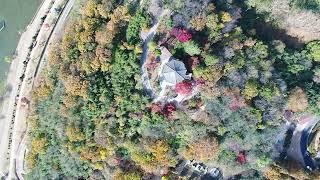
296 62
193 62
237 103
155 107
152 46
257 52
139 21
212 21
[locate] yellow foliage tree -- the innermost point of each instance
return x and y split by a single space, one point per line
120 175
42 92
33 122
203 149
120 14
74 134
226 17
90 8
160 151
154 157
68 40
272 173
90 154
198 22
104 8
38 145
86 36
75 86
31 160
43 89
54 57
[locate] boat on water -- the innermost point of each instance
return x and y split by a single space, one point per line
2 25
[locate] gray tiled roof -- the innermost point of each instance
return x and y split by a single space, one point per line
174 71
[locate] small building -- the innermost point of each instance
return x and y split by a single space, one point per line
174 72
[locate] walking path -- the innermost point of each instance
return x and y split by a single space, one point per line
147 37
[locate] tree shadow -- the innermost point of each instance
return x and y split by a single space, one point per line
266 31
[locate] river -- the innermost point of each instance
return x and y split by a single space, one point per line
17 15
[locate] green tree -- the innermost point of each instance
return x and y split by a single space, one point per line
191 48
211 59
313 49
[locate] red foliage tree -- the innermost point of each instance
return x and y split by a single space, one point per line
184 88
168 110
241 157
181 34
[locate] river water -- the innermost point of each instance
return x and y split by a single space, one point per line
17 15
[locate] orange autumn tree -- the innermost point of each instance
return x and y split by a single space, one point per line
298 100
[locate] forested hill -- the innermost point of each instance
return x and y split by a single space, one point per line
92 118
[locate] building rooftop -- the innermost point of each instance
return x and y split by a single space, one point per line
174 72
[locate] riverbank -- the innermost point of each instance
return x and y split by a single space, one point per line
31 48
16 15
